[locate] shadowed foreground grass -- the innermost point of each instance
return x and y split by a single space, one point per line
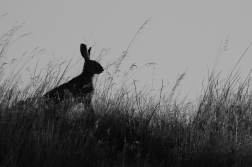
130 134
131 126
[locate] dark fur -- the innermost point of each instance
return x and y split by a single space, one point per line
78 87
81 87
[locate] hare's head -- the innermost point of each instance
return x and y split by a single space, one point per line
90 65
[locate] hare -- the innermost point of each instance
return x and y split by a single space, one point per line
80 87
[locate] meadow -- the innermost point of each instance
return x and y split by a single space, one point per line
132 126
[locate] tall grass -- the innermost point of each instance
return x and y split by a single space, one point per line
132 127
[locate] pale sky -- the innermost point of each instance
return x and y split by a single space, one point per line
180 36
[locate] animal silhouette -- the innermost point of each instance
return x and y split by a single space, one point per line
81 87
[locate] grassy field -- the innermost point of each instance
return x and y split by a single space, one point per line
132 127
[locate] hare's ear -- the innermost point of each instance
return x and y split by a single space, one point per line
89 50
84 52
